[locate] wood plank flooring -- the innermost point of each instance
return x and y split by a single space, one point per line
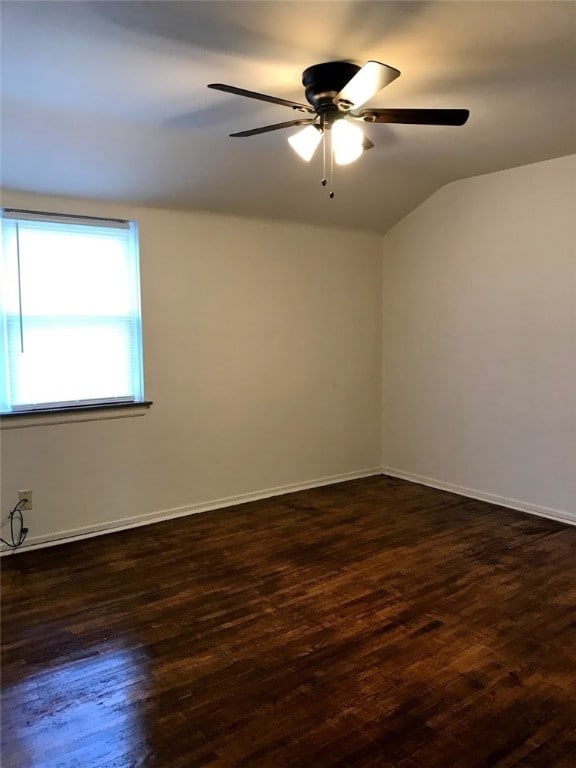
370 623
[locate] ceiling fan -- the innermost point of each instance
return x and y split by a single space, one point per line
335 91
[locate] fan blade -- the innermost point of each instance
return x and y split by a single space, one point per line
416 116
367 144
261 97
275 127
366 83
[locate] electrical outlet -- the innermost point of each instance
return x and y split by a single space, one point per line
25 495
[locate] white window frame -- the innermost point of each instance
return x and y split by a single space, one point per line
99 407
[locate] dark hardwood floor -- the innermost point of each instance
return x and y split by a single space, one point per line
370 623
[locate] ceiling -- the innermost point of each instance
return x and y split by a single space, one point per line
109 100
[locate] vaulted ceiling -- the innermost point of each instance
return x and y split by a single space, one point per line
109 100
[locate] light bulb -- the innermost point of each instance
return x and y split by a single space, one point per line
347 141
304 142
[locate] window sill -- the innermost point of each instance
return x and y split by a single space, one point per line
42 416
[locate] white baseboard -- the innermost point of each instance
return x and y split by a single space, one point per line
89 531
521 506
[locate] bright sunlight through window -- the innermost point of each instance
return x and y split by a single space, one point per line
70 312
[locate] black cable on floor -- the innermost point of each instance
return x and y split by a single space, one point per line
16 511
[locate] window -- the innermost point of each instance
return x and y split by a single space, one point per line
69 312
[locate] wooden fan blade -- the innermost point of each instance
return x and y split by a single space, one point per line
416 116
275 127
261 97
366 83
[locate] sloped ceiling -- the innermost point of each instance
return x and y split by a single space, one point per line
109 100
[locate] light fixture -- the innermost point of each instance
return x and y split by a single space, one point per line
342 142
304 142
347 141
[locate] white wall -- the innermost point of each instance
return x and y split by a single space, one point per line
262 346
479 340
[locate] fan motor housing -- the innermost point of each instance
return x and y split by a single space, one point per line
322 82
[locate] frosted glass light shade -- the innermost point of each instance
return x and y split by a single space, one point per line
304 142
347 141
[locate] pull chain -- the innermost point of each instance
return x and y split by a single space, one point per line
331 195
326 130
323 153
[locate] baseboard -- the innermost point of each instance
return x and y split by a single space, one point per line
135 521
521 506
87 532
